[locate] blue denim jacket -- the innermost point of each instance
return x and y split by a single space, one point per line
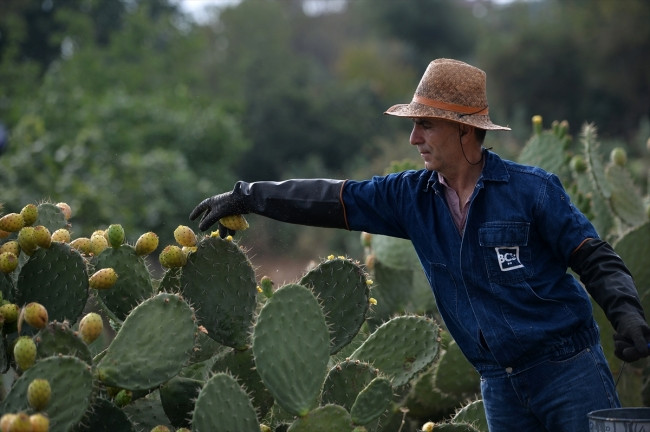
502 286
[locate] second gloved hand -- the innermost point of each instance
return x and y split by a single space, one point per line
216 207
632 338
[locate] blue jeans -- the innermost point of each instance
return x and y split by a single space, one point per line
554 396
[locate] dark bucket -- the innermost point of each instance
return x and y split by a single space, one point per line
620 420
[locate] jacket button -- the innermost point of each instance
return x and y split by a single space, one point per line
509 370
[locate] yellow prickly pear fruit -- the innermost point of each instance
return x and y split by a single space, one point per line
61 235
43 236
12 222
10 246
160 428
27 240
25 352
39 393
185 236
115 235
65 209
10 312
103 279
35 315
82 244
40 422
146 243
29 214
429 426
234 222
98 243
21 423
5 422
172 256
8 262
90 327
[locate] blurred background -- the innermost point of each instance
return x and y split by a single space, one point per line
132 111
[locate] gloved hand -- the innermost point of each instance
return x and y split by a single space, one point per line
216 207
632 338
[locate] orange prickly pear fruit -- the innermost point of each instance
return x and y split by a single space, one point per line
103 279
35 315
25 352
8 262
172 256
40 422
61 235
21 423
234 222
185 236
146 243
90 327
12 222
29 214
39 393
42 236
65 209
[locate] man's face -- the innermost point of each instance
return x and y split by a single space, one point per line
437 142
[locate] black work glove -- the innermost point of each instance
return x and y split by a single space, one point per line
632 338
216 207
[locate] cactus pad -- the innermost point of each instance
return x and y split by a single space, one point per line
291 348
342 289
327 418
345 381
372 401
141 356
224 403
401 347
51 217
104 416
56 278
59 339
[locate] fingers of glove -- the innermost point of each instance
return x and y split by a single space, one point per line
225 232
209 218
199 209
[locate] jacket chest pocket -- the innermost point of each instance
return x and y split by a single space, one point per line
505 251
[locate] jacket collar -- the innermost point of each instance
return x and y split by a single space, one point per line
493 170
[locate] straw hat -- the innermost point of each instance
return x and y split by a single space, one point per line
451 90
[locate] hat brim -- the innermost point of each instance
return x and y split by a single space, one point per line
415 109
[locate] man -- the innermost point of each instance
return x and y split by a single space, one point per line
495 240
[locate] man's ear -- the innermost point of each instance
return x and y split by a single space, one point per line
465 129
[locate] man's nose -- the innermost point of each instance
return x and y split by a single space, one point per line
416 136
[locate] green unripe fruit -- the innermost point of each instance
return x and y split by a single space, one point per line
578 164
29 214
12 222
25 352
10 312
618 156
90 327
39 393
27 240
8 262
172 256
146 243
35 315
123 398
115 234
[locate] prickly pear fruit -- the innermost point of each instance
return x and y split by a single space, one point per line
146 243
29 214
103 279
25 352
82 244
185 236
11 222
234 222
5 421
65 209
27 240
10 312
172 256
123 398
98 243
61 235
115 234
8 262
40 422
160 428
10 246
21 423
90 327
42 236
618 156
39 393
266 286
35 315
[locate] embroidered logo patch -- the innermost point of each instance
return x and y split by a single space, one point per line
508 258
